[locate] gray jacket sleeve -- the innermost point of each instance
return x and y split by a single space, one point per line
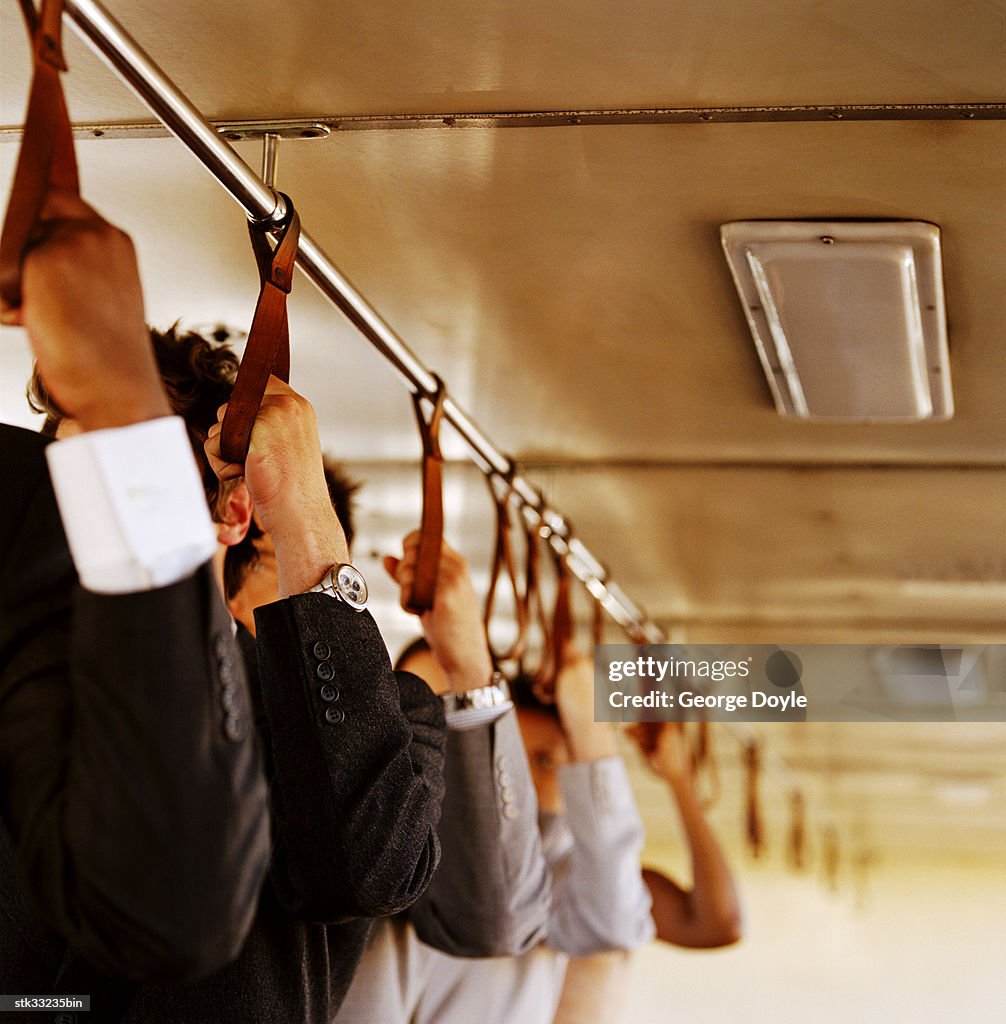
490 896
599 901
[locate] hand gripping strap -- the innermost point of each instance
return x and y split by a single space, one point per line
46 159
268 348
431 531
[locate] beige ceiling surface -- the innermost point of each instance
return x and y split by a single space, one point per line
250 59
809 547
580 269
912 790
568 284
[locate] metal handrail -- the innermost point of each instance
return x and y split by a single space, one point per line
262 204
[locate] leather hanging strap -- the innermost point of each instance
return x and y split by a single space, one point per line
503 559
46 160
534 607
559 633
431 531
268 348
797 831
597 625
753 819
830 856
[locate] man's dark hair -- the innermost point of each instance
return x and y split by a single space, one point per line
40 401
198 376
342 490
524 694
522 688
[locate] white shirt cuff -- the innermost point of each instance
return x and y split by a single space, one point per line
133 505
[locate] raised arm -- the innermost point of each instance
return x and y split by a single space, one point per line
133 796
708 915
356 785
490 896
599 901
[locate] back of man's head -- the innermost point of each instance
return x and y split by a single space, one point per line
342 491
198 376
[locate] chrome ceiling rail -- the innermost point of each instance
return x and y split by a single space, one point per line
173 110
324 125
113 44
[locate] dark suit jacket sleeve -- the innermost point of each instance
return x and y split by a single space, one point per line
140 826
355 786
491 894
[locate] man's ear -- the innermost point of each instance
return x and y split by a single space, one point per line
234 515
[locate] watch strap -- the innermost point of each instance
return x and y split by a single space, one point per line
480 706
327 585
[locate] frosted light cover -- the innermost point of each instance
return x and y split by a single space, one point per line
848 317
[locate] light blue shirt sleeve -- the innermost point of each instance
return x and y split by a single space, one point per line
599 900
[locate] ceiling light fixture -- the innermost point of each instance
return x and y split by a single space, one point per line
847 316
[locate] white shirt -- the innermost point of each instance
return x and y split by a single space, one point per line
599 902
132 505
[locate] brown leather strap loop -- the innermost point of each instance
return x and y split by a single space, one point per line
268 348
272 269
535 614
754 825
30 16
503 558
431 533
558 635
597 624
47 158
47 28
562 616
797 852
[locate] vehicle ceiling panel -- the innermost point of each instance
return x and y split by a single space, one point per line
568 284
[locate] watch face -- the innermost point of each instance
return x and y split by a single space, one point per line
352 586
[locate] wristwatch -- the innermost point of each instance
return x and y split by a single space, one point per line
345 583
479 706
